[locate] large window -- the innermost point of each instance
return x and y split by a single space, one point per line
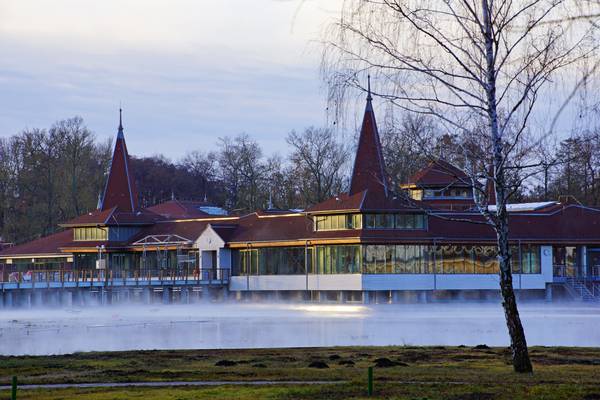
338 222
338 259
384 259
90 233
273 261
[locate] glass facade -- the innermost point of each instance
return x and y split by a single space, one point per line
370 221
383 259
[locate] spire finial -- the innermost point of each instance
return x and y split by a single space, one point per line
369 98
120 133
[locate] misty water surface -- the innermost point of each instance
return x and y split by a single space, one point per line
209 326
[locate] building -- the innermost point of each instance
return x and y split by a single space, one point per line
365 245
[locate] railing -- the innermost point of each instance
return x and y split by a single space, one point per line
583 289
564 271
36 278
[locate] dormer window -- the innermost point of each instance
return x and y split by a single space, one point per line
90 233
445 193
338 222
395 221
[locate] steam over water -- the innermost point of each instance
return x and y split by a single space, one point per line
207 326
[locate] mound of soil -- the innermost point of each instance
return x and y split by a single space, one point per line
318 364
225 363
384 363
349 363
334 357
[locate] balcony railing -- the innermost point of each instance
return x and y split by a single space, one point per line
95 277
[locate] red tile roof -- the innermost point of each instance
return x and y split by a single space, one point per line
439 173
179 209
50 244
114 216
365 201
225 231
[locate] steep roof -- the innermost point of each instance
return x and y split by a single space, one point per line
439 173
120 190
369 167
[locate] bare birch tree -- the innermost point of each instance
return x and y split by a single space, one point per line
463 62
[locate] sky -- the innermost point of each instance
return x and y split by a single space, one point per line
186 72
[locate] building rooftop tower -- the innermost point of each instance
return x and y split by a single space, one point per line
369 167
120 190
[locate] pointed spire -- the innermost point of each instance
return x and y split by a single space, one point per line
120 190
369 167
99 204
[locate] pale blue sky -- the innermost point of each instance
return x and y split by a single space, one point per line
187 72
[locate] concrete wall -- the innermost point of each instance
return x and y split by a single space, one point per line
296 282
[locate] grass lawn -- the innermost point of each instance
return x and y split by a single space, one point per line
408 372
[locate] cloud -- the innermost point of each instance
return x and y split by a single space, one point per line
187 72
